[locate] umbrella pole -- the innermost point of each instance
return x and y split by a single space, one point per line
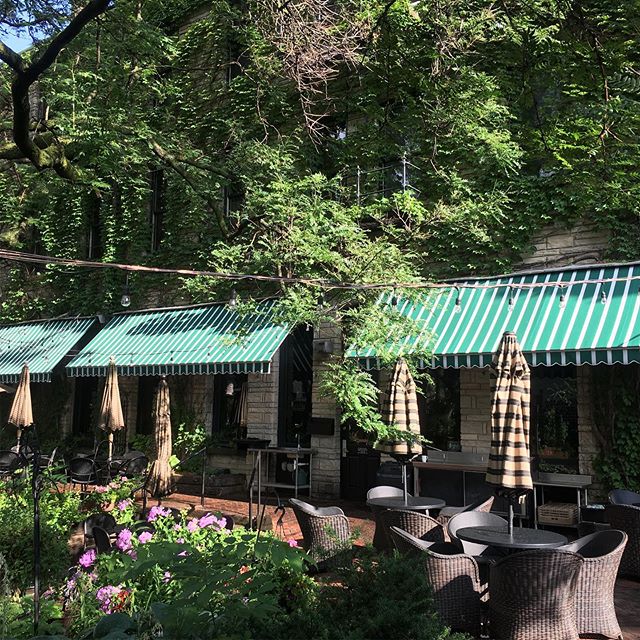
404 482
510 518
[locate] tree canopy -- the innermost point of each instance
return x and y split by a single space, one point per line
248 128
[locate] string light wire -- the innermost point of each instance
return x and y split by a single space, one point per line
18 256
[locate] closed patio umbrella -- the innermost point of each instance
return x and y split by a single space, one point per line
400 410
111 417
160 482
21 414
509 468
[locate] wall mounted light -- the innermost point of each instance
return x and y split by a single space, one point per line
125 299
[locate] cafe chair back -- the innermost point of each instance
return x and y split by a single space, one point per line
325 530
595 608
624 496
473 519
533 595
417 524
625 517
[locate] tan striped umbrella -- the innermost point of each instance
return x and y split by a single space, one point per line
160 482
509 467
400 410
21 410
111 418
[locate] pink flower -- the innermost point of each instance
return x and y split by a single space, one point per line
157 512
183 554
292 543
166 577
123 504
123 542
177 527
192 525
144 537
88 558
180 540
207 520
124 479
101 489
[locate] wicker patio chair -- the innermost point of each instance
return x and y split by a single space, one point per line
595 609
474 519
625 517
532 595
448 512
417 524
457 587
380 539
407 544
325 530
624 496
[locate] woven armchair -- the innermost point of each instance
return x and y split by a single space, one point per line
595 609
326 530
533 595
474 519
380 538
417 524
625 517
448 512
624 496
457 588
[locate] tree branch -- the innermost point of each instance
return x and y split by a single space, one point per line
13 59
171 161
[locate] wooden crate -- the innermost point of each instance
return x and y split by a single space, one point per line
558 513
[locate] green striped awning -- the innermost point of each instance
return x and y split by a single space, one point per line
196 340
42 345
597 322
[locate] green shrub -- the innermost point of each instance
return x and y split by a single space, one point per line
58 512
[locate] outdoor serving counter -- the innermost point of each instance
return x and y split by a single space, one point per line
459 478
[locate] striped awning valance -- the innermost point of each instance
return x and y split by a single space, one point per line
42 345
204 339
593 323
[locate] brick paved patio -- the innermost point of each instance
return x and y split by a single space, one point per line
627 591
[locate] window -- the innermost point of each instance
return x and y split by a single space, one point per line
554 418
439 408
230 406
296 377
147 386
156 208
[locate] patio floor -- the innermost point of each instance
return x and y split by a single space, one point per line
627 591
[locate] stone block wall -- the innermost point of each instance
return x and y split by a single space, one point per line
557 246
326 462
475 410
262 403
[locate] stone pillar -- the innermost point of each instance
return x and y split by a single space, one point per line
262 403
326 462
475 410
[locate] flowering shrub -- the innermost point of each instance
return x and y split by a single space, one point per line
184 573
117 494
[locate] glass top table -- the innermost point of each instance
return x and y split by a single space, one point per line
522 538
419 503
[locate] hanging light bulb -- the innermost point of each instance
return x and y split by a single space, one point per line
603 297
233 299
563 302
125 299
394 298
458 306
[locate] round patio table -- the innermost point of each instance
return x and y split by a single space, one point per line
420 503
521 539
